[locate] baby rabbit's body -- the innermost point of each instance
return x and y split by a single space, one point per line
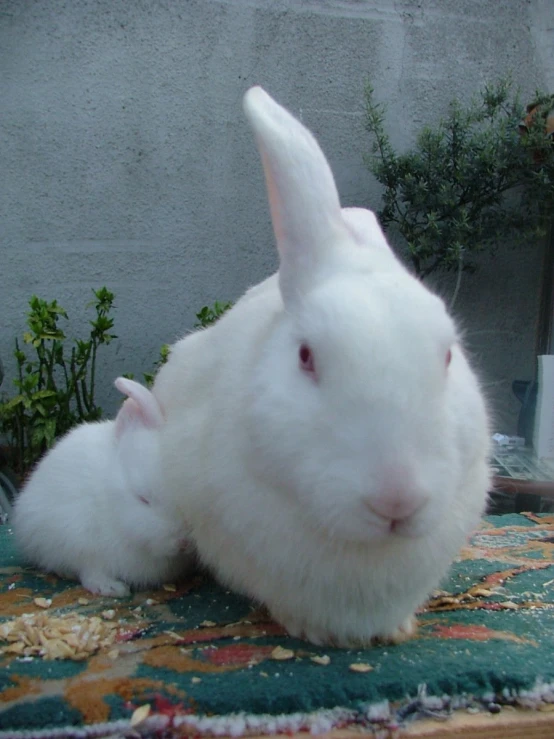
93 508
326 439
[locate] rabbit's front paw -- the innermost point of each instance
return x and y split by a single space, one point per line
314 634
324 637
405 631
102 584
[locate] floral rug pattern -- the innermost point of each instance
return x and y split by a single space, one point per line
194 655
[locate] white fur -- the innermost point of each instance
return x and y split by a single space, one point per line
93 509
338 498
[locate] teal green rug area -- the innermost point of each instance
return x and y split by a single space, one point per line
194 657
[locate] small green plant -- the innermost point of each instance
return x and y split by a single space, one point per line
210 314
149 376
56 385
206 316
475 178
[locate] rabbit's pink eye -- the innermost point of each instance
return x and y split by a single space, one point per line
448 358
306 358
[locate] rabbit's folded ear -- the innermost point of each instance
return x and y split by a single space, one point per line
303 198
365 228
140 409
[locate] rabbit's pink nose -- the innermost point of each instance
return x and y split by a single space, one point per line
396 505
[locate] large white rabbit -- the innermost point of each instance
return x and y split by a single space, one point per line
93 508
326 439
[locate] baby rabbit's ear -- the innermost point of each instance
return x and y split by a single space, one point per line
140 409
303 198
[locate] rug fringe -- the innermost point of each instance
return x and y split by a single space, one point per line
381 716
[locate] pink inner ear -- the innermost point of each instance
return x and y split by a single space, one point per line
147 409
129 414
275 205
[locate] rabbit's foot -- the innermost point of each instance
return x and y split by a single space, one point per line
405 631
319 636
323 637
102 584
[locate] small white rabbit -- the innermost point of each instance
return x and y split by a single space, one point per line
326 439
93 508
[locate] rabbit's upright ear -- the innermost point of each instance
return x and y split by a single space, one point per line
303 198
140 409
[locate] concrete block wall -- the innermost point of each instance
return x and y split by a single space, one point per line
126 161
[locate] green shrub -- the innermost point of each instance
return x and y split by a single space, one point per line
55 383
472 180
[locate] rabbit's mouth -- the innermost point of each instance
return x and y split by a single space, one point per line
399 527
372 525
400 515
366 528
410 528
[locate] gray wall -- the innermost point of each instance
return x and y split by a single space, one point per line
126 161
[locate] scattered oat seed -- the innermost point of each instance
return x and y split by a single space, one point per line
150 602
323 660
139 715
360 667
281 654
170 587
83 601
208 624
109 614
43 602
70 636
196 680
16 648
113 654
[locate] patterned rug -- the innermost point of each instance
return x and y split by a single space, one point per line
194 658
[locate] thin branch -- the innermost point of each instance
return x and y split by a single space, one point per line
458 281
